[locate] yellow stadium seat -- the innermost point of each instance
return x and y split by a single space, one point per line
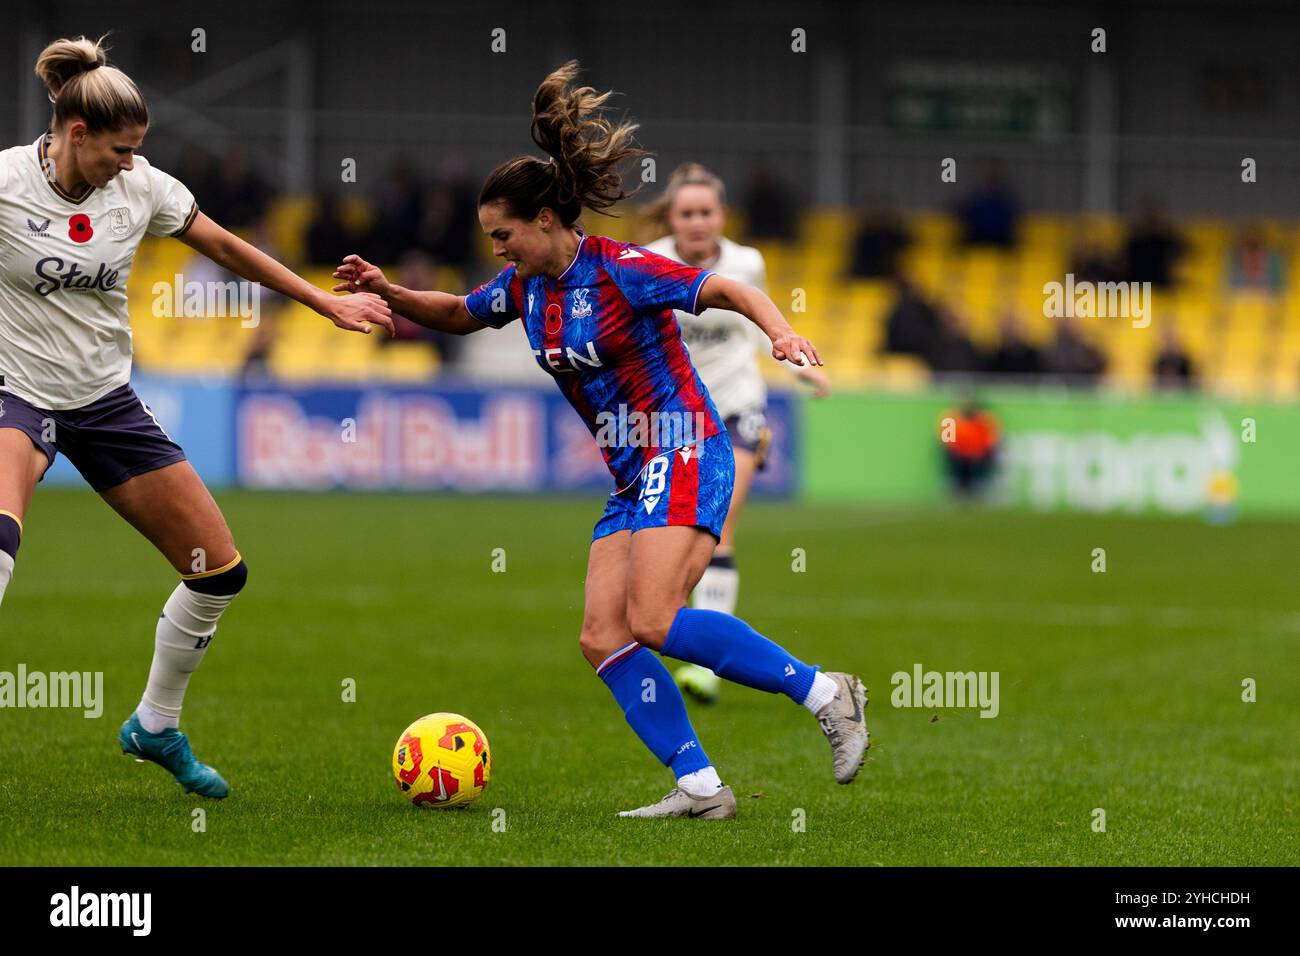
287 222
1108 231
929 229
1046 234
408 362
900 372
1252 308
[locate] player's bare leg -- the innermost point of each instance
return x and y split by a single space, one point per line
21 467
668 561
719 585
173 509
604 613
649 699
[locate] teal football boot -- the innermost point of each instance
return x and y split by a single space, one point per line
171 751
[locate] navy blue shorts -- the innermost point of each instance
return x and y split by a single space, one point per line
110 440
689 486
749 432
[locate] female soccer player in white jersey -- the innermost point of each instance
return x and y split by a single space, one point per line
599 317
74 206
724 350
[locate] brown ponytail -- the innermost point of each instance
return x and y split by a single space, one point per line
586 150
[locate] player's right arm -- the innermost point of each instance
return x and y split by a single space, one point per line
810 375
433 310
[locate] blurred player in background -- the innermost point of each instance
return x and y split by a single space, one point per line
74 207
724 350
599 316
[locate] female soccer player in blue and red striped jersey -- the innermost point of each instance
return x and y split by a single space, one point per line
599 317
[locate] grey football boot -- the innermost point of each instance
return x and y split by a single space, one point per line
844 724
679 803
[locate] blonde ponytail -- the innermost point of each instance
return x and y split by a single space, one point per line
83 86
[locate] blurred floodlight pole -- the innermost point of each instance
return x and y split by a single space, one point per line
1100 119
34 112
298 127
832 129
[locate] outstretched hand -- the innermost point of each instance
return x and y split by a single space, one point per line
815 379
360 276
796 348
365 306
357 313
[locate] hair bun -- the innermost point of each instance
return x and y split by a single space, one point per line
106 101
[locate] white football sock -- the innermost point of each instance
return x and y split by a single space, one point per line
153 721
6 572
188 621
701 783
718 590
822 693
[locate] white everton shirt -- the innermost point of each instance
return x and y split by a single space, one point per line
724 344
65 333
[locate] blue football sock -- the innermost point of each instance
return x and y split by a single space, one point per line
654 708
736 652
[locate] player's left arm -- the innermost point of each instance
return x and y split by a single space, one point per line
355 312
719 292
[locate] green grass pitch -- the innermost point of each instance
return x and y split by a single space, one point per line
1119 690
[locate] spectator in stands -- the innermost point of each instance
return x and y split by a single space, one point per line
329 238
397 214
1173 366
769 207
1252 263
989 215
912 324
1071 357
244 197
1014 356
952 350
449 217
881 237
1090 261
970 438
1153 247
198 171
415 270
257 360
